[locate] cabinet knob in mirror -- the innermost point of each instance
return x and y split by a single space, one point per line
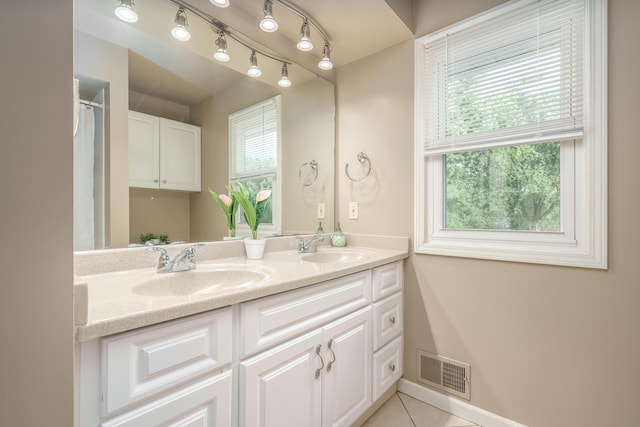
392 367
392 319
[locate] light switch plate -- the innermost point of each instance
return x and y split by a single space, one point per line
353 210
321 211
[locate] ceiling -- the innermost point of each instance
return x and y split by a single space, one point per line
356 29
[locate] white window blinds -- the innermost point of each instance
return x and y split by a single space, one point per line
511 79
253 140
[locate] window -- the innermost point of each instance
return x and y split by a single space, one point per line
254 159
511 135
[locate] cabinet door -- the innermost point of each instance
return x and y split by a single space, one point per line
206 403
280 388
179 156
347 374
144 150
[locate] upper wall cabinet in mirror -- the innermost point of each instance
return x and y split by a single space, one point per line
141 67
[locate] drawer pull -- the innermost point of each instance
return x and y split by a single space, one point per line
321 360
392 319
332 355
392 367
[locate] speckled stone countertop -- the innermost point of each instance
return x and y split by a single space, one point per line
106 302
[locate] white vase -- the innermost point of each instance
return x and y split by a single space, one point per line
254 248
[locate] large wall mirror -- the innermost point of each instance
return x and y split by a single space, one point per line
140 67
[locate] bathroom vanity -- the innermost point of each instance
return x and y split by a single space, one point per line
306 340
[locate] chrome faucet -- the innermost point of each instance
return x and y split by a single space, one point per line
309 246
185 260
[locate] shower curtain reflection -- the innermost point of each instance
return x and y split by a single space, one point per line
83 165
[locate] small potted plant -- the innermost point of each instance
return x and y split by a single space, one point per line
253 208
149 237
229 206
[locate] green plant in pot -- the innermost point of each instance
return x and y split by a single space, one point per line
229 206
253 206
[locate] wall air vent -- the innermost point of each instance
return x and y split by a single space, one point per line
444 374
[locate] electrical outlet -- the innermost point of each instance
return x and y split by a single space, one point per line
321 212
353 210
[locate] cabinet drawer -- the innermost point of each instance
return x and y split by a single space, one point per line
138 364
387 367
271 320
387 320
387 280
206 403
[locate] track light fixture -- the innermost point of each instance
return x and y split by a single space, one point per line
305 44
125 11
220 3
254 70
325 63
284 79
268 24
221 53
180 32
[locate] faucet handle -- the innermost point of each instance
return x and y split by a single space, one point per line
164 259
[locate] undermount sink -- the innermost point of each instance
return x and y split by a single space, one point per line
199 281
335 256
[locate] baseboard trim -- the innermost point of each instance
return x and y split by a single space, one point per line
454 406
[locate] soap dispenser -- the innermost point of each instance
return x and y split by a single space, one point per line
338 238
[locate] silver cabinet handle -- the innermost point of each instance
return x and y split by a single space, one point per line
164 181
155 180
332 355
321 360
392 367
392 319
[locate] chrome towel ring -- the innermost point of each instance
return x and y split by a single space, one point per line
314 166
362 158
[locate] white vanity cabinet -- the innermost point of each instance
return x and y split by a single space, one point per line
178 373
316 356
163 153
319 356
388 327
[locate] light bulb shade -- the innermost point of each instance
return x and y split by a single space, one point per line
284 79
305 44
220 3
221 52
268 24
221 55
284 82
125 12
254 70
180 32
325 63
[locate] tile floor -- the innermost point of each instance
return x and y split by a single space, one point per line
405 411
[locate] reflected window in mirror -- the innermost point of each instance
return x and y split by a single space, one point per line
255 145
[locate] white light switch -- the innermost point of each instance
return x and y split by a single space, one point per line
353 210
321 213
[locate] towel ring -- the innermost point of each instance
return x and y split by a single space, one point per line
313 165
362 157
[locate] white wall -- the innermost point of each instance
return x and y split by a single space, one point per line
36 325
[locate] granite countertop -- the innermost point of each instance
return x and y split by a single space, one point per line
106 302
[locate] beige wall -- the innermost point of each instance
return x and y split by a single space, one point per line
159 211
548 346
308 133
306 110
207 221
36 228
